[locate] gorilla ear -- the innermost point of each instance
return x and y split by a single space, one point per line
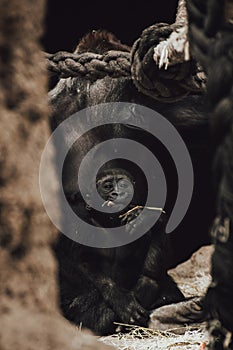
100 41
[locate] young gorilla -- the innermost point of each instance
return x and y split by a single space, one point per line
99 286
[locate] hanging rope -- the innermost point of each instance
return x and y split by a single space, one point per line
161 64
179 79
176 48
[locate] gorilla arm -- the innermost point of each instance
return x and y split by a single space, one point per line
154 287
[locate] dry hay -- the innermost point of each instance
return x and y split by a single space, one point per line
149 339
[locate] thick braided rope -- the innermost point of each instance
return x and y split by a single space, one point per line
180 79
161 65
169 84
89 65
175 49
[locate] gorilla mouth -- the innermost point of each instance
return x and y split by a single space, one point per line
108 203
117 205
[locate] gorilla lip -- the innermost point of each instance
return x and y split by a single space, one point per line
108 204
118 205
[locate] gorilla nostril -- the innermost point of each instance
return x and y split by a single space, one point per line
114 195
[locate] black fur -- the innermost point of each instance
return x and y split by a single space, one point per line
100 286
212 43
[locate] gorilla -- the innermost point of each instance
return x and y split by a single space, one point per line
211 35
101 286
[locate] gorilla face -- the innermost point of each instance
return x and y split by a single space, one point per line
116 188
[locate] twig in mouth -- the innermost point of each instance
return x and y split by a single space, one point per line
108 203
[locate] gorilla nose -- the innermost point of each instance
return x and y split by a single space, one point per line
114 195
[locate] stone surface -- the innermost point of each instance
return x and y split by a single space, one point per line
193 278
29 312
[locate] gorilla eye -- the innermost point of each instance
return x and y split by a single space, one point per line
124 184
107 186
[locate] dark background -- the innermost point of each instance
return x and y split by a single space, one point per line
67 21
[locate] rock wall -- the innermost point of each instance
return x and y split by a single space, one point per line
29 313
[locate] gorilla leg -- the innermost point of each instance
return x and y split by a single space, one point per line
86 309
